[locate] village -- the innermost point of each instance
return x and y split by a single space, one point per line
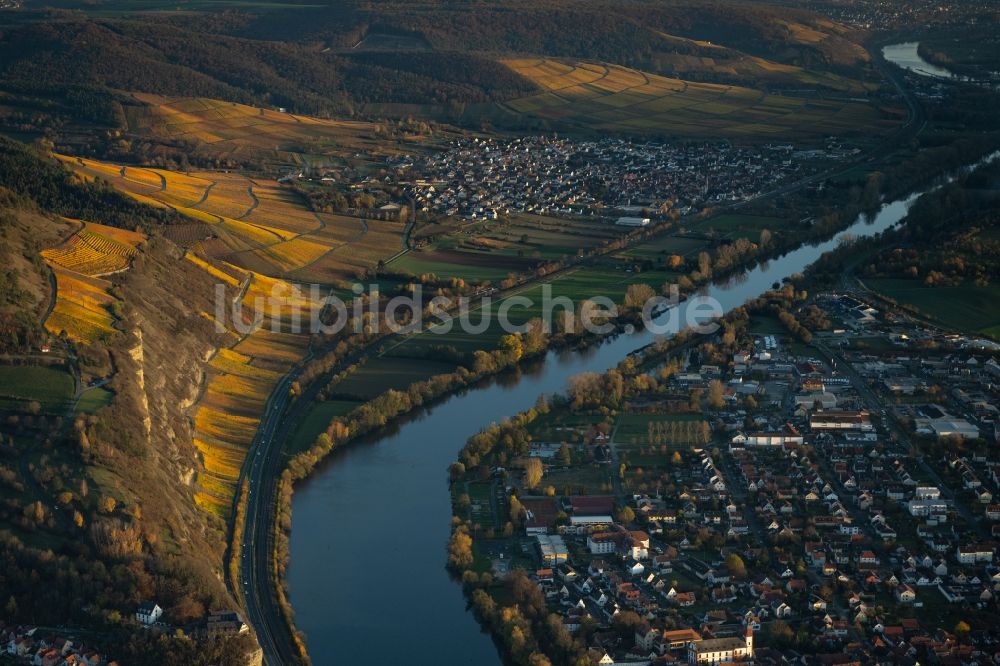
47 646
836 499
483 178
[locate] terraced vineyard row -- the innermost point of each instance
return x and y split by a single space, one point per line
255 224
242 376
96 250
83 306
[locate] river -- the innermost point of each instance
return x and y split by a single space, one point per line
367 574
907 56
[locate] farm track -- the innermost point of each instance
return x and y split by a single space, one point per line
253 206
163 180
204 197
203 385
53 295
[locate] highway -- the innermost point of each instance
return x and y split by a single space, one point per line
261 471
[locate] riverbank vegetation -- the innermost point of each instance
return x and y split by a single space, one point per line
974 53
941 263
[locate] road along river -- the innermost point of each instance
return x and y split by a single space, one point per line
367 574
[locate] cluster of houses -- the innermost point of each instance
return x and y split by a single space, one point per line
886 15
626 574
43 647
481 178
31 645
822 555
216 623
844 533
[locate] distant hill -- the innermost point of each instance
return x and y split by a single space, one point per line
331 61
169 60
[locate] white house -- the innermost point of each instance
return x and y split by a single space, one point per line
148 613
978 552
601 544
905 594
718 650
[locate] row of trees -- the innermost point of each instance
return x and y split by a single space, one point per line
660 433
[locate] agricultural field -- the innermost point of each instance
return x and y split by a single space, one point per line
367 242
93 399
255 224
50 386
315 421
733 226
675 429
608 278
242 377
83 307
968 308
227 130
610 98
96 250
664 246
535 237
748 67
421 262
380 374
490 251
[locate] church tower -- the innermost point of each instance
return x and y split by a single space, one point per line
749 639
